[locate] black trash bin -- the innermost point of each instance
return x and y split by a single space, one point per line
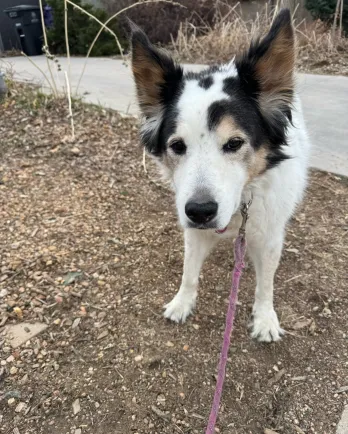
27 20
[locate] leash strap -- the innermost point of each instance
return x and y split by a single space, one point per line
239 254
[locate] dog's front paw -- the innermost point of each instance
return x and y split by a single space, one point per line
265 326
180 307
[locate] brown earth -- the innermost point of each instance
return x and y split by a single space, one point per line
87 207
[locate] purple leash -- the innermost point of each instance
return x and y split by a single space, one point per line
239 254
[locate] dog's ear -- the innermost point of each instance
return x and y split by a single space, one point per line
156 75
267 69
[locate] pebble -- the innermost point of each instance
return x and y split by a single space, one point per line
20 407
75 150
103 335
76 323
76 406
326 312
78 431
11 402
161 399
13 370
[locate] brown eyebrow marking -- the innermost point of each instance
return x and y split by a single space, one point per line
227 128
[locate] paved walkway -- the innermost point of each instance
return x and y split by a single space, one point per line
109 82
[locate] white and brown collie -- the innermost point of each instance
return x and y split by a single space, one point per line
221 135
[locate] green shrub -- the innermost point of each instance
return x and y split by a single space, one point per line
324 10
82 30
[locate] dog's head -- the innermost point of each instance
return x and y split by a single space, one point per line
216 130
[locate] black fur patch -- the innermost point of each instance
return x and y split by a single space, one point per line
170 90
217 111
274 125
155 140
190 75
244 112
206 82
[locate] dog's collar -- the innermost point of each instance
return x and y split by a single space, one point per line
244 209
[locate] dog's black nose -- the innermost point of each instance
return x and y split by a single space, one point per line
201 213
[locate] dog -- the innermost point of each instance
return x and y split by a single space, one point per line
221 135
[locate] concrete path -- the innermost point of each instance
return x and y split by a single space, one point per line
342 427
109 82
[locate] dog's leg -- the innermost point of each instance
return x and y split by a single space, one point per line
198 244
265 254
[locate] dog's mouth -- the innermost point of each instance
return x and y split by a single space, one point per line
221 231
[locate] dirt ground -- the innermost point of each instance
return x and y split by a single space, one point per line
90 246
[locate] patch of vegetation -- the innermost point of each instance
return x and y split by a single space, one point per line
82 30
324 10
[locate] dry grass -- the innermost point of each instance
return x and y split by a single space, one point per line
231 34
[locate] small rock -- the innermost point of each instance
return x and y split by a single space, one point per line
58 299
3 293
138 358
75 150
24 379
186 348
18 311
326 312
170 344
161 399
20 407
78 431
11 402
103 335
76 406
13 370
76 323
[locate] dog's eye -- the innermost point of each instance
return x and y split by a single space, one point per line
233 144
178 147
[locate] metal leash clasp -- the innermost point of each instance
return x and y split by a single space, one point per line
245 215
